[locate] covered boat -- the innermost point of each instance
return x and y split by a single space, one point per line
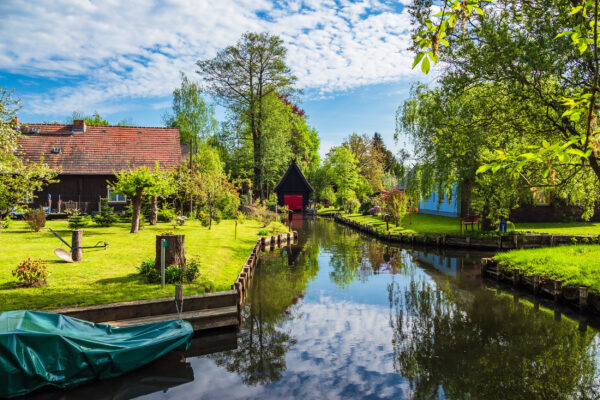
39 349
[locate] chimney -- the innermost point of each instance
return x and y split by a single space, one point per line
14 123
78 125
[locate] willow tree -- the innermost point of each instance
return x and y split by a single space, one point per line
242 76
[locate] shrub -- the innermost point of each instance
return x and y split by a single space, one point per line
153 276
77 221
6 222
352 204
276 227
107 215
36 219
31 272
166 213
127 213
374 210
180 220
365 207
146 266
192 270
173 274
263 232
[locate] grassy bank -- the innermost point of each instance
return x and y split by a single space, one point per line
412 223
415 223
110 275
574 265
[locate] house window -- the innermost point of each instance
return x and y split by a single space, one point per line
116 198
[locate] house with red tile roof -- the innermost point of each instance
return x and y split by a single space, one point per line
87 158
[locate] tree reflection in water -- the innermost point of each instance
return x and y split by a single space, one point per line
462 345
277 289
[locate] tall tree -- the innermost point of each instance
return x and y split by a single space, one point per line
370 158
344 172
242 76
191 113
19 178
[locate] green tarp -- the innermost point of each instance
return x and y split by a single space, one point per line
38 349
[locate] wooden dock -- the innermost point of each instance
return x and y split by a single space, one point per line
203 311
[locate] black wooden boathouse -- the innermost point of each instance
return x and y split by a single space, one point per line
293 190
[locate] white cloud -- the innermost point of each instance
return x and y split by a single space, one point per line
135 49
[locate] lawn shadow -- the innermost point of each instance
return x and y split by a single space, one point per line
133 277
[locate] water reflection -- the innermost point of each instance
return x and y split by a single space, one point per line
341 315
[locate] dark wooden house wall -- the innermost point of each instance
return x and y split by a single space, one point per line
82 189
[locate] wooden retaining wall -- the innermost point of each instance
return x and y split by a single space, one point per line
580 297
203 311
266 243
502 242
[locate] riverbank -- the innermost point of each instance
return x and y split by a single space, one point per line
111 275
575 266
489 241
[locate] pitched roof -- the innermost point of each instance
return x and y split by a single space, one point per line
293 168
100 150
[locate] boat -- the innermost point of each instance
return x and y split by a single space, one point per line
40 349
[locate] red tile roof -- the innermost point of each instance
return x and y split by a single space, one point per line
101 150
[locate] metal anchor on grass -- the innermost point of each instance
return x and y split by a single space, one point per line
76 249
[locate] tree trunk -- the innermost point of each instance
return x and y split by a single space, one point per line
76 243
154 211
137 207
174 252
486 222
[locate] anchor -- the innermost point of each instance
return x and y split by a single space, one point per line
66 256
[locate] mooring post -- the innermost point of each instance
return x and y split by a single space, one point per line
583 297
557 290
536 283
179 299
557 315
516 276
76 242
163 246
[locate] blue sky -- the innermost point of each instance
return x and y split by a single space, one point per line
123 59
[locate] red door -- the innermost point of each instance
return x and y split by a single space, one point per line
293 201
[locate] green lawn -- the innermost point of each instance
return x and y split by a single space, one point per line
574 265
413 223
428 224
110 275
328 210
562 228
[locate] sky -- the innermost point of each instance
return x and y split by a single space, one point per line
123 58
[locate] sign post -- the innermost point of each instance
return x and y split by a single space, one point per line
162 262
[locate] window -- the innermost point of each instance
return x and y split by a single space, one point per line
115 198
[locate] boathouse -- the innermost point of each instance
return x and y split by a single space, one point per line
87 158
293 190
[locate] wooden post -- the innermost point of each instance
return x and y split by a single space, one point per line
557 290
536 283
557 315
516 241
76 243
516 276
178 293
583 297
60 204
99 204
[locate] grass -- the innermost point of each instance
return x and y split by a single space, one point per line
106 276
328 210
562 228
413 223
428 224
575 265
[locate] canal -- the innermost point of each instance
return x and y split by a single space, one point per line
341 315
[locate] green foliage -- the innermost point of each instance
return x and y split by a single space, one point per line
31 272
343 170
192 270
36 219
107 216
276 227
365 206
6 222
352 205
166 213
18 179
575 265
263 232
191 114
135 183
174 274
328 195
77 220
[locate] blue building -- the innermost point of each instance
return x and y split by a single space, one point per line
446 206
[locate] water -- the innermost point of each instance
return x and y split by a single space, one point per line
341 315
